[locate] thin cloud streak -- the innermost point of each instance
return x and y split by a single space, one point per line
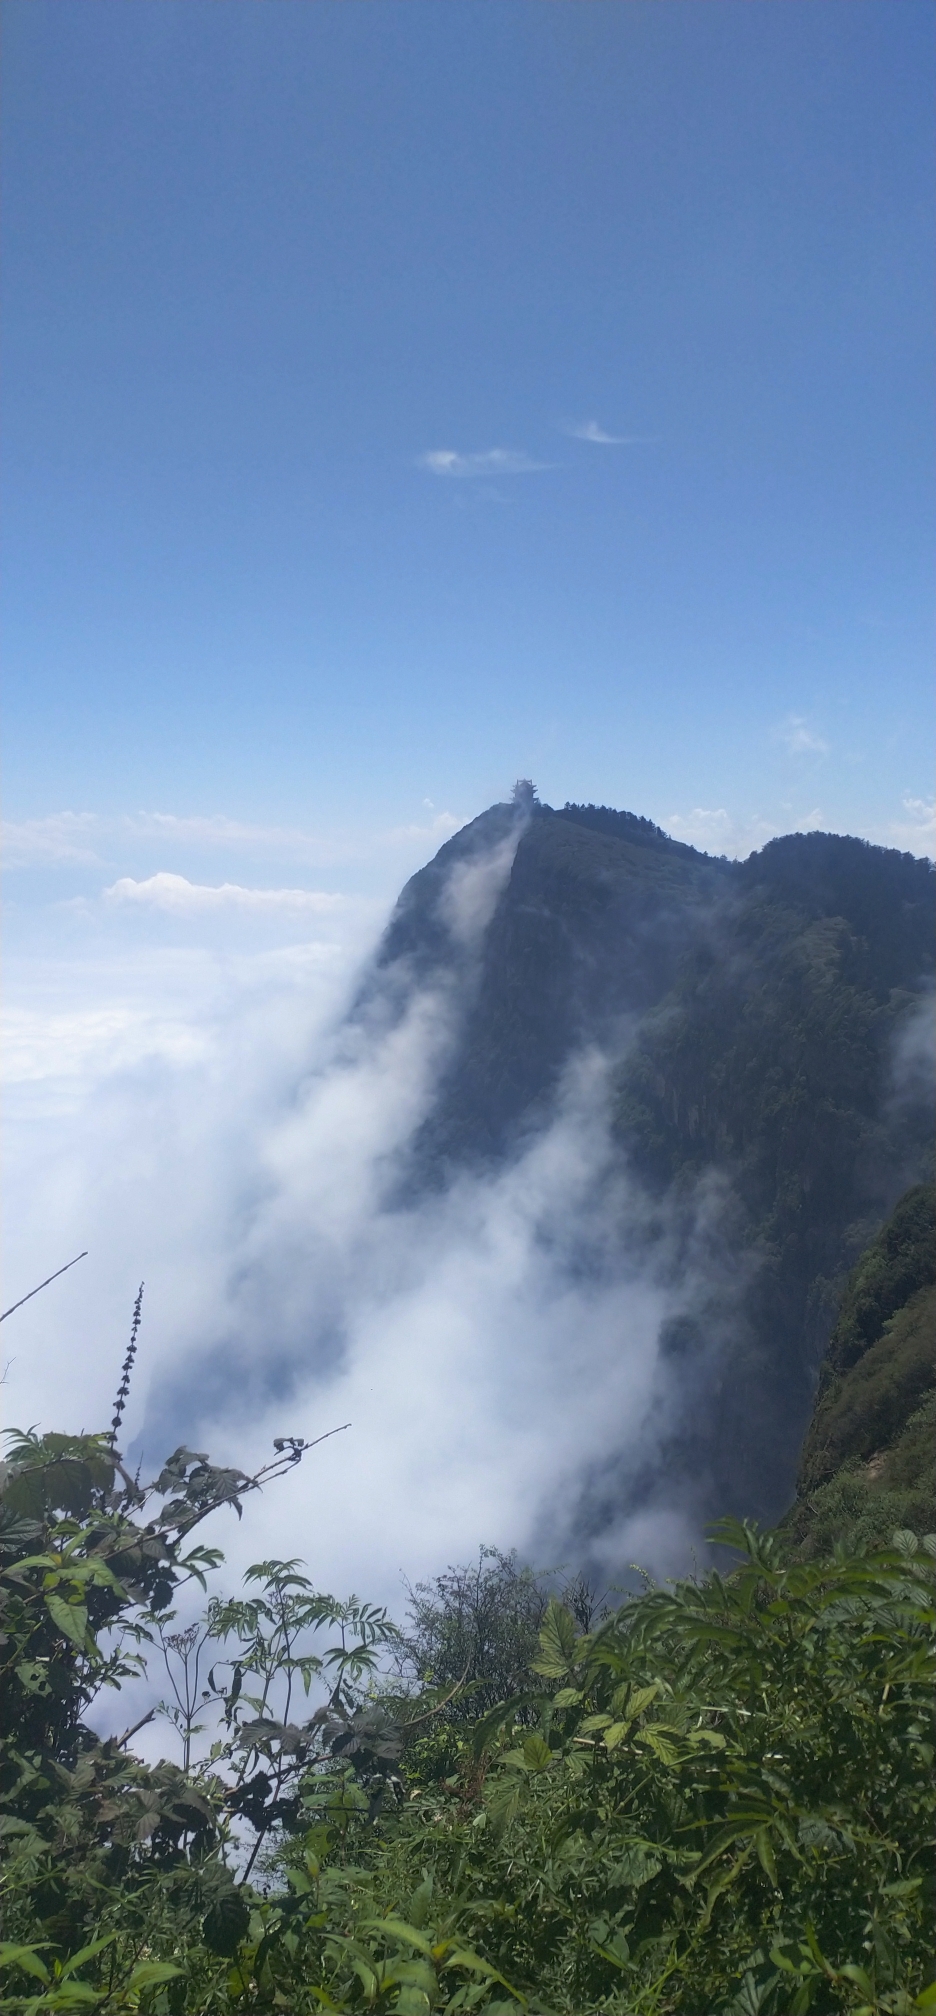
60 837
589 430
88 838
175 893
798 738
486 462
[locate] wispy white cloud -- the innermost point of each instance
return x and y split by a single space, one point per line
176 894
589 430
798 738
487 462
434 831
217 830
62 836
89 836
915 833
718 831
76 838
85 1043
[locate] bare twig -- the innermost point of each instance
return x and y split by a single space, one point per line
119 1741
43 1284
415 1720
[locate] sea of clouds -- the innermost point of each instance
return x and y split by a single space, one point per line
189 1098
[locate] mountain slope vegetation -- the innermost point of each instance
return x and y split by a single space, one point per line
869 1458
760 1020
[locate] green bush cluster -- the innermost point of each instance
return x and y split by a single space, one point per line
718 1797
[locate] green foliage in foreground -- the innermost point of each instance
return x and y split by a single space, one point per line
719 1798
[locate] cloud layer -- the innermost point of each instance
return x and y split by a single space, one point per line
175 893
229 1135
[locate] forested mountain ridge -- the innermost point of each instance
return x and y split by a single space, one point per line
763 1023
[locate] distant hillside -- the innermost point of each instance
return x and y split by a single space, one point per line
869 1459
763 1024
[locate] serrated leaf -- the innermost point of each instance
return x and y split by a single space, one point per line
661 1745
557 1640
537 1755
640 1698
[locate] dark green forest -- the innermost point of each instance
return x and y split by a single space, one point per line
716 1796
760 1019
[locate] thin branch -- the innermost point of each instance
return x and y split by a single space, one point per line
44 1284
119 1741
437 1710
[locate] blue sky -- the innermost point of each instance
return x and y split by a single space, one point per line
263 263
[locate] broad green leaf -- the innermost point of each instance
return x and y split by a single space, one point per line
397 1928
71 1618
72 1995
87 1953
723 1883
661 1745
765 1855
537 1755
147 1972
26 1957
852 1972
464 1957
640 1698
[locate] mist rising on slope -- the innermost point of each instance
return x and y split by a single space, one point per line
495 1344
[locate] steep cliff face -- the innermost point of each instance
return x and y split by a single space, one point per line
762 1025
